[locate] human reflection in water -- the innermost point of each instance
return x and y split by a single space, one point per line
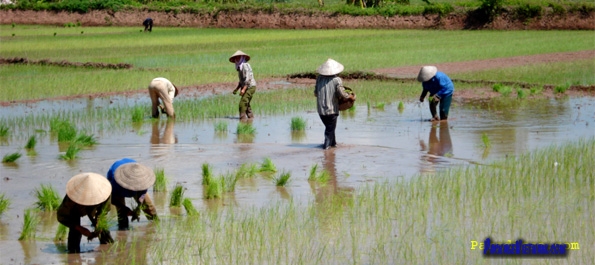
440 144
331 191
160 135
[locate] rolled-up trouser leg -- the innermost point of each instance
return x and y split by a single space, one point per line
330 124
445 107
245 102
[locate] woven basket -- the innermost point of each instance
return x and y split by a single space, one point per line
345 104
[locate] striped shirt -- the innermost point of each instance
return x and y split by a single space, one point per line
328 90
246 76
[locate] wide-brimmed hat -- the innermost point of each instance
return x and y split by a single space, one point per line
426 73
134 176
88 189
239 53
330 67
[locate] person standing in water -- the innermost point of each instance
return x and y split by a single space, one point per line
246 85
441 89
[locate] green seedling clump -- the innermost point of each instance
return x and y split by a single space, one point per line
190 210
138 114
160 180
561 89
30 222
207 173
221 127
229 182
282 179
71 152
47 198
9 158
4 203
176 196
313 171
214 189
245 129
298 124
486 141
61 233
31 143
4 130
267 165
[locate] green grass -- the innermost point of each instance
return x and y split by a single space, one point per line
521 93
71 152
176 196
524 196
322 176
61 233
4 130
48 198
160 180
214 189
85 140
64 129
221 127
10 158
4 203
138 114
274 53
207 173
298 124
31 142
30 222
245 129
561 89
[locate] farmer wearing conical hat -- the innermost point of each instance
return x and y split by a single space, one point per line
130 179
86 194
246 85
328 90
440 87
164 90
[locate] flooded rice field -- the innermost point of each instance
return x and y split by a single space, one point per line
374 144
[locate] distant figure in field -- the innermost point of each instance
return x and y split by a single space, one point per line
440 87
148 23
162 89
246 84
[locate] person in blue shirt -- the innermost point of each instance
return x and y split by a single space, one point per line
440 87
130 179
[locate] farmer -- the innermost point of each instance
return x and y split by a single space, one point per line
131 179
162 89
86 194
246 85
440 87
328 90
148 23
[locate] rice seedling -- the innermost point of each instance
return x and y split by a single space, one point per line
245 129
298 124
61 233
214 189
282 179
30 222
190 210
401 106
221 127
502 89
313 171
229 182
380 106
85 140
138 114
486 141
105 220
160 180
71 152
267 165
47 198
176 196
207 173
65 130
4 203
560 89
31 142
536 90
4 130
521 94
9 158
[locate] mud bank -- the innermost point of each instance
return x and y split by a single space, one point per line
277 20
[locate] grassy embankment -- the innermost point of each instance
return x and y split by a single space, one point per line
546 196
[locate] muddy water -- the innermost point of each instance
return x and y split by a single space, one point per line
375 144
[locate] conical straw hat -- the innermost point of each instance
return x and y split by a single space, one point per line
426 73
330 67
134 176
88 189
239 53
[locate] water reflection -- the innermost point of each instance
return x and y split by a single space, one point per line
439 145
163 132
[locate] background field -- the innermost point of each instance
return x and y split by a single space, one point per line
190 56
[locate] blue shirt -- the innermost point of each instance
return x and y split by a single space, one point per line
118 190
440 85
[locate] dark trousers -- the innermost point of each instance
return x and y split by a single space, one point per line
245 108
443 105
74 239
330 124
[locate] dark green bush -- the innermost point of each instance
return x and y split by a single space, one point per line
527 11
557 9
490 8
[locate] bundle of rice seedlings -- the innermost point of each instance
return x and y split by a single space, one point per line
282 179
86 140
71 152
267 166
3 130
190 210
31 142
30 222
47 198
176 196
298 124
160 180
138 114
207 173
214 189
221 127
4 203
11 157
61 233
313 170
245 129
